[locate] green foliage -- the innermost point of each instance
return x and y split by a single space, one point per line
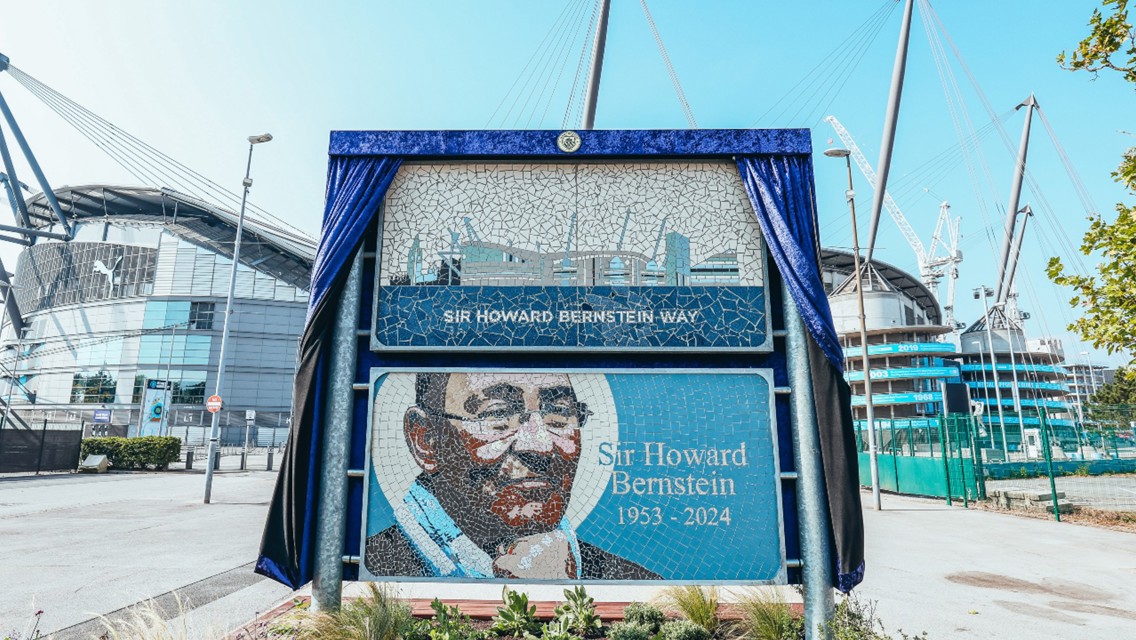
697 604
645 615
766 616
147 452
447 623
857 620
1108 301
517 617
378 616
578 613
629 631
556 629
683 630
1109 36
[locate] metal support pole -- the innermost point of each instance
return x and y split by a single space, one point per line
873 461
812 506
48 194
1016 251
944 445
1049 464
890 120
13 181
331 518
1015 196
994 371
215 424
591 98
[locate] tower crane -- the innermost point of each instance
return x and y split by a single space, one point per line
950 261
930 267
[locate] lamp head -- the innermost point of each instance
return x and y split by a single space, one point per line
264 137
837 152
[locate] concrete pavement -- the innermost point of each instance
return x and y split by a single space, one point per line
80 546
965 573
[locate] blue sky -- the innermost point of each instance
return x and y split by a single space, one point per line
195 78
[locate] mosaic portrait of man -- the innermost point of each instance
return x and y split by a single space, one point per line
498 456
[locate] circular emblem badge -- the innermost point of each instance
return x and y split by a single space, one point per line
568 142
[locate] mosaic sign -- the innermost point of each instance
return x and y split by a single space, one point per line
573 476
595 255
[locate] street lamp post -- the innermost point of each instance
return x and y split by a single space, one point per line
865 364
215 426
984 293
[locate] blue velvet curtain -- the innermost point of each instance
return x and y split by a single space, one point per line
355 189
781 191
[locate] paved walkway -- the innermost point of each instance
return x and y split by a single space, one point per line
959 573
79 546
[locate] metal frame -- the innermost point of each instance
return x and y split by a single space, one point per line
765 373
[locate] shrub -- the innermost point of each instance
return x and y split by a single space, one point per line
578 613
628 631
684 630
556 629
697 604
517 617
147 452
645 615
766 616
1082 470
857 620
448 623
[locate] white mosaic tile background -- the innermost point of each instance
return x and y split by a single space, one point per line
530 206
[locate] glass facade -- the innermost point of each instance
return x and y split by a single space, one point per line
54 274
128 301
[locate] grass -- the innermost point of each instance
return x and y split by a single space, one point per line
146 622
766 616
379 615
697 604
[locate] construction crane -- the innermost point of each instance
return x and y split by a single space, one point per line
930 271
950 261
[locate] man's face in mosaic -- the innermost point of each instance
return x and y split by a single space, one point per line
500 451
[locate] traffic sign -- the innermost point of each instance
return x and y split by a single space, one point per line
213 404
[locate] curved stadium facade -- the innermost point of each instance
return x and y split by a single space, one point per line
139 294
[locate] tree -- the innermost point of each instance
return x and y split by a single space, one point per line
1113 406
1122 389
1108 299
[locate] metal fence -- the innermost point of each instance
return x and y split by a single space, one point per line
1084 464
49 448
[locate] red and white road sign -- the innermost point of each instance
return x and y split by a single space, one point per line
213 404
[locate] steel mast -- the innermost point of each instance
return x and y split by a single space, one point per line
890 120
1015 196
593 93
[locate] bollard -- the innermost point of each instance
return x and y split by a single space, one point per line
217 461
270 460
244 460
189 460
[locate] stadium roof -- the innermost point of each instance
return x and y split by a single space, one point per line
841 261
280 252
